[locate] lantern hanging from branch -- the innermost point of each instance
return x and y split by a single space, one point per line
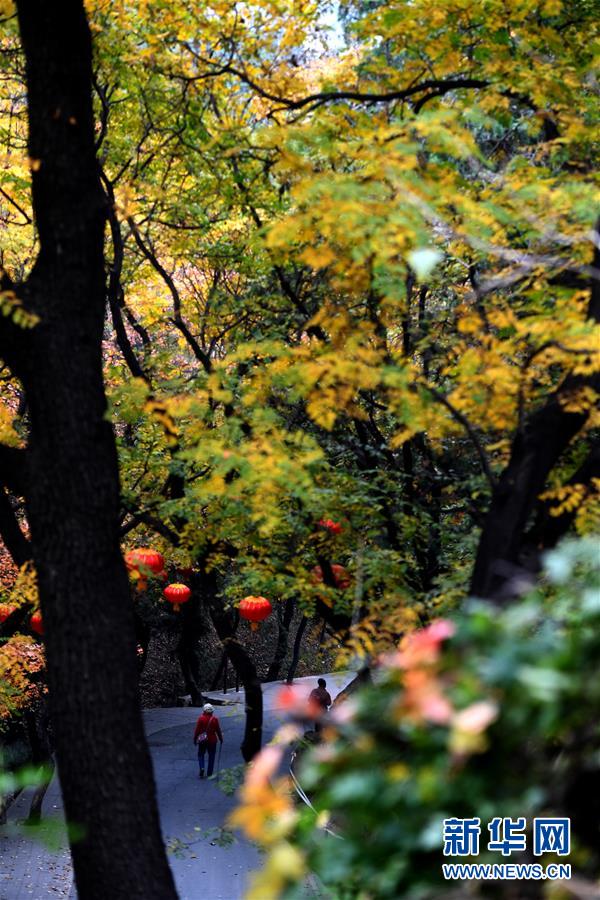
36 624
177 594
255 610
142 560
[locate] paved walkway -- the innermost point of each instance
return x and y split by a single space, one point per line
192 811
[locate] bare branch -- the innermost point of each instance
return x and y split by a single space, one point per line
462 420
13 202
177 318
429 88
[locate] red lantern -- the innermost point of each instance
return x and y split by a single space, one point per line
142 559
177 594
6 610
36 624
330 525
185 572
340 576
255 609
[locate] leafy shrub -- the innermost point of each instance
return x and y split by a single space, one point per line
495 713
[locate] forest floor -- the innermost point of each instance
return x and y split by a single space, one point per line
161 682
193 812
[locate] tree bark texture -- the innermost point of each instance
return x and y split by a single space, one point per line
500 565
284 620
72 479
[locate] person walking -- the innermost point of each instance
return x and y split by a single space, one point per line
206 734
320 697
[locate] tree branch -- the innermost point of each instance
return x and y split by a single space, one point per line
549 529
177 319
439 86
462 420
20 209
152 521
116 300
536 449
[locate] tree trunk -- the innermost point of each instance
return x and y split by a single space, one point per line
188 648
219 673
242 663
142 639
38 725
296 652
362 679
501 570
284 622
72 480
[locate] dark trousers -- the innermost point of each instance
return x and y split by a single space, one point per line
211 749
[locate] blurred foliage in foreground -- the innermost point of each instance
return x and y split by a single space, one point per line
494 714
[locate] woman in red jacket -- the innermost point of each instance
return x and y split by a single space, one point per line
205 736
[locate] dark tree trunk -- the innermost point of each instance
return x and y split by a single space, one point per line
188 654
188 649
284 622
219 673
502 568
500 571
296 651
431 501
72 480
38 727
37 801
549 529
362 679
6 801
27 742
142 638
241 661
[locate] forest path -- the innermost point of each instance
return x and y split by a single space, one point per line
192 810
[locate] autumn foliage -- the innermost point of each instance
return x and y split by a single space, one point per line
352 350
21 676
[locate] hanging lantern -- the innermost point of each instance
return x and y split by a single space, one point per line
255 609
36 624
144 557
6 610
141 560
177 594
185 572
340 576
330 526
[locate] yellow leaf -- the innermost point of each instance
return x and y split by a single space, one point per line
318 257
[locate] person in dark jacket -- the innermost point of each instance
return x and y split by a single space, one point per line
321 697
206 734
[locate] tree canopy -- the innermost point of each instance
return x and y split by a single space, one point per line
351 272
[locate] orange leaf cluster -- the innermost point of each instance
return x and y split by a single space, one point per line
22 666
